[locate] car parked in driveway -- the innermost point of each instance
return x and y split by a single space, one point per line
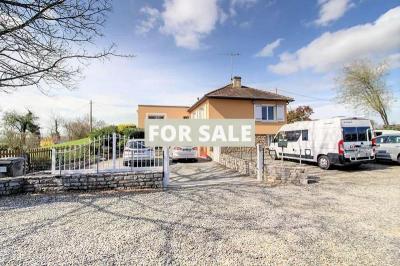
387 147
137 154
184 153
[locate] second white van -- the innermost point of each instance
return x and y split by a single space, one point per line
334 141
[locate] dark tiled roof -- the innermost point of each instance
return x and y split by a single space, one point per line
244 92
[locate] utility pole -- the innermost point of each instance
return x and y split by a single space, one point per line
91 115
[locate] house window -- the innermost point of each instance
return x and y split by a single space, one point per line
199 113
270 112
155 116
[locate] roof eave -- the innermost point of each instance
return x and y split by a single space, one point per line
196 104
252 98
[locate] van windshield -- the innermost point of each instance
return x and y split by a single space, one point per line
353 134
278 137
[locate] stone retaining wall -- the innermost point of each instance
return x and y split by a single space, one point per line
277 174
242 166
83 182
273 174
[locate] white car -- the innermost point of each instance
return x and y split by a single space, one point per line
387 147
136 154
380 132
184 153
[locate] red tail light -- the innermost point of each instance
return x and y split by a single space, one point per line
374 142
341 147
194 148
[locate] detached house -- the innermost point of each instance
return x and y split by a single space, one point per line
233 101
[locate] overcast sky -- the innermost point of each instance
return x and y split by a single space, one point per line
182 46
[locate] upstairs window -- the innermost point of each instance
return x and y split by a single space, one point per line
269 112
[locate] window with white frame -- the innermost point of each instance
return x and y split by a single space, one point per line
199 113
266 112
155 116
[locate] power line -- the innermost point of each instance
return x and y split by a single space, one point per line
306 96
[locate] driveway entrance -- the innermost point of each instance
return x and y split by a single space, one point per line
204 173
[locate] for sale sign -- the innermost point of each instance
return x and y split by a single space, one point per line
200 132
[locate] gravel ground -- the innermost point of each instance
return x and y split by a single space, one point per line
212 216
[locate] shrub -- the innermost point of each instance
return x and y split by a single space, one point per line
108 130
121 128
46 142
392 127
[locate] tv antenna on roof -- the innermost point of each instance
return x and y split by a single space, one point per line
232 55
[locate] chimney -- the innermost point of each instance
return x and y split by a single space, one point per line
236 82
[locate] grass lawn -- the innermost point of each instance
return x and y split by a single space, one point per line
73 142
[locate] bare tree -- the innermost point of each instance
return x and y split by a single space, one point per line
55 127
362 86
80 127
44 42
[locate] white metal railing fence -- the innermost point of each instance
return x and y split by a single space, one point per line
108 153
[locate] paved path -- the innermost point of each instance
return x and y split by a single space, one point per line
211 216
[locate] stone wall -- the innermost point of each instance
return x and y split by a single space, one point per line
84 182
242 166
278 174
273 174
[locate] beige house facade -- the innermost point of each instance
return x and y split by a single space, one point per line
233 101
161 112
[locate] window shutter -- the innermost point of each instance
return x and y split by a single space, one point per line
280 114
258 112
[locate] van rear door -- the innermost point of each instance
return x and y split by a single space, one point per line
357 142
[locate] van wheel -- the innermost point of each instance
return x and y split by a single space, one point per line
324 162
398 159
273 155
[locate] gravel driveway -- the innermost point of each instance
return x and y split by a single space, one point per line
211 216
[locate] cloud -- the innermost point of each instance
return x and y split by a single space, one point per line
268 49
116 88
394 60
330 50
234 4
152 17
190 21
331 10
245 24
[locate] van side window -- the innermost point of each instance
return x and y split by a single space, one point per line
304 134
293 136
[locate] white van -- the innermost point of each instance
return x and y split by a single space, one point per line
334 141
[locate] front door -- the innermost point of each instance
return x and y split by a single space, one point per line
203 152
